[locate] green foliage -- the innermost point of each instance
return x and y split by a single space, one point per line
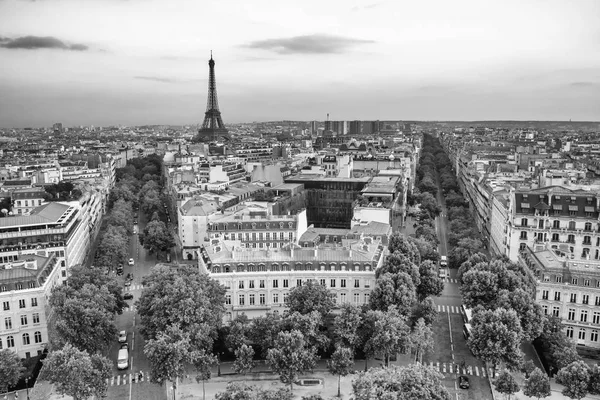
415 381
310 297
238 332
113 248
242 391
400 244
386 333
341 363
290 356
80 276
244 359
311 325
575 377
430 284
426 309
398 262
346 326
506 383
156 237
594 384
394 290
537 385
421 338
76 373
168 354
11 369
182 297
496 337
62 191
265 329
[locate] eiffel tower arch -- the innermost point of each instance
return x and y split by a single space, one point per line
213 129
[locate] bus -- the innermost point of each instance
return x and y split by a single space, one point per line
467 314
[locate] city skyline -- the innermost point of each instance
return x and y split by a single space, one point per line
135 63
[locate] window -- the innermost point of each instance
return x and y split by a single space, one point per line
286 283
583 316
275 298
251 299
594 336
34 302
558 279
342 298
240 284
261 299
36 318
570 332
356 298
22 303
555 237
10 341
571 239
581 334
555 311
37 337
342 283
524 221
556 296
298 282
322 282
275 283
522 246
7 323
268 235
545 294
573 298
523 235
585 299
588 226
597 302
571 316
6 306
357 283
367 297
19 286
556 224
587 240
241 299
332 283
285 297
572 225
545 308
228 299
25 339
574 281
596 318
586 282
251 284
23 320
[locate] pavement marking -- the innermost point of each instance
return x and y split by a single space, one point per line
444 367
476 370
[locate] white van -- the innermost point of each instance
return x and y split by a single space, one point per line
123 359
443 261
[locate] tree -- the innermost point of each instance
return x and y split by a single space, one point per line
425 309
76 373
506 383
594 385
496 337
244 360
113 248
479 288
156 237
415 381
430 283
537 385
11 369
341 363
398 262
575 377
422 339
399 243
427 249
80 275
185 298
346 326
290 356
242 391
387 334
465 248
239 330
150 202
168 354
202 361
393 290
311 326
264 332
309 297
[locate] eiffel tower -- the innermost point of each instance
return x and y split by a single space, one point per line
213 129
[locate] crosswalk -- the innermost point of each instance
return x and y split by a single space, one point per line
131 307
449 309
453 368
451 280
126 379
134 286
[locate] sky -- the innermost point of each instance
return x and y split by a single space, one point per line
138 62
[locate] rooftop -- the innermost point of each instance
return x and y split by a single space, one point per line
50 213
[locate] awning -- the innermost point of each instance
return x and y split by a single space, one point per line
573 208
557 206
589 209
524 205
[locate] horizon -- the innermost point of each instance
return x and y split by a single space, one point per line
138 63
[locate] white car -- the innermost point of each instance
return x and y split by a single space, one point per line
131 262
122 336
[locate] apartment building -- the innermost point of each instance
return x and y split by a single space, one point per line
568 289
25 287
25 200
565 218
259 281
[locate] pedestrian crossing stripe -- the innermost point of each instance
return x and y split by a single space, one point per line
134 286
450 368
130 308
442 308
126 379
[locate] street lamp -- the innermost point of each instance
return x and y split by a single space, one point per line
27 386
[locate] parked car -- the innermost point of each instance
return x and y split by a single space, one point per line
128 296
124 346
122 336
131 262
123 359
463 382
127 283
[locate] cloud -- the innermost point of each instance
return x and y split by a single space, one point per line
155 79
582 84
366 6
308 44
40 42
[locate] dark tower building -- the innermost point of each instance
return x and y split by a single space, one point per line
213 129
